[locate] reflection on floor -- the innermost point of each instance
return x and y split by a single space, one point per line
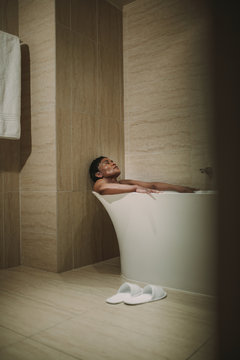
64 316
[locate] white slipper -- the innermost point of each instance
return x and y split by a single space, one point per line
125 292
150 293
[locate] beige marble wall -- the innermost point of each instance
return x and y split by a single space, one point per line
9 167
168 91
89 122
38 141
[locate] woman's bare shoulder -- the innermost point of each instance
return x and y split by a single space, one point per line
98 184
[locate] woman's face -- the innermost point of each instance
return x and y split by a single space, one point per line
108 168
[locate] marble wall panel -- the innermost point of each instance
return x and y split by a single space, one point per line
38 145
110 61
172 15
9 229
64 106
109 86
168 90
38 212
94 237
2 242
85 145
39 250
9 16
173 169
164 79
12 228
9 167
10 164
1 175
109 26
89 124
36 28
84 17
87 229
173 134
35 13
39 172
38 229
110 247
84 73
65 217
63 10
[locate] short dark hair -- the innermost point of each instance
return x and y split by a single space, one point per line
93 169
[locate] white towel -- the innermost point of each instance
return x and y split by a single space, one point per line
10 86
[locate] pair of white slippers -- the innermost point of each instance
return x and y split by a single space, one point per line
132 294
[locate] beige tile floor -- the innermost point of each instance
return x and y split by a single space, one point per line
45 315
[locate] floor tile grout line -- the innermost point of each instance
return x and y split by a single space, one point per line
199 348
122 328
14 331
12 344
36 332
51 327
30 337
71 313
56 349
42 302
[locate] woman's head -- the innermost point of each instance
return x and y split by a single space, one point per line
93 169
103 167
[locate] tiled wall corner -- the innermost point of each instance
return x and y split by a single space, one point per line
89 123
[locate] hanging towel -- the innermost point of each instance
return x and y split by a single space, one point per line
10 86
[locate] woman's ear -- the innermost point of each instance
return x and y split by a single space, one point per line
98 175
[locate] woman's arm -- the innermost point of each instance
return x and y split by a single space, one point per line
104 188
159 186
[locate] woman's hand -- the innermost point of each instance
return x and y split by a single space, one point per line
184 189
144 190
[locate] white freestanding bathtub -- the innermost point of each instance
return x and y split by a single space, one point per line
168 239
